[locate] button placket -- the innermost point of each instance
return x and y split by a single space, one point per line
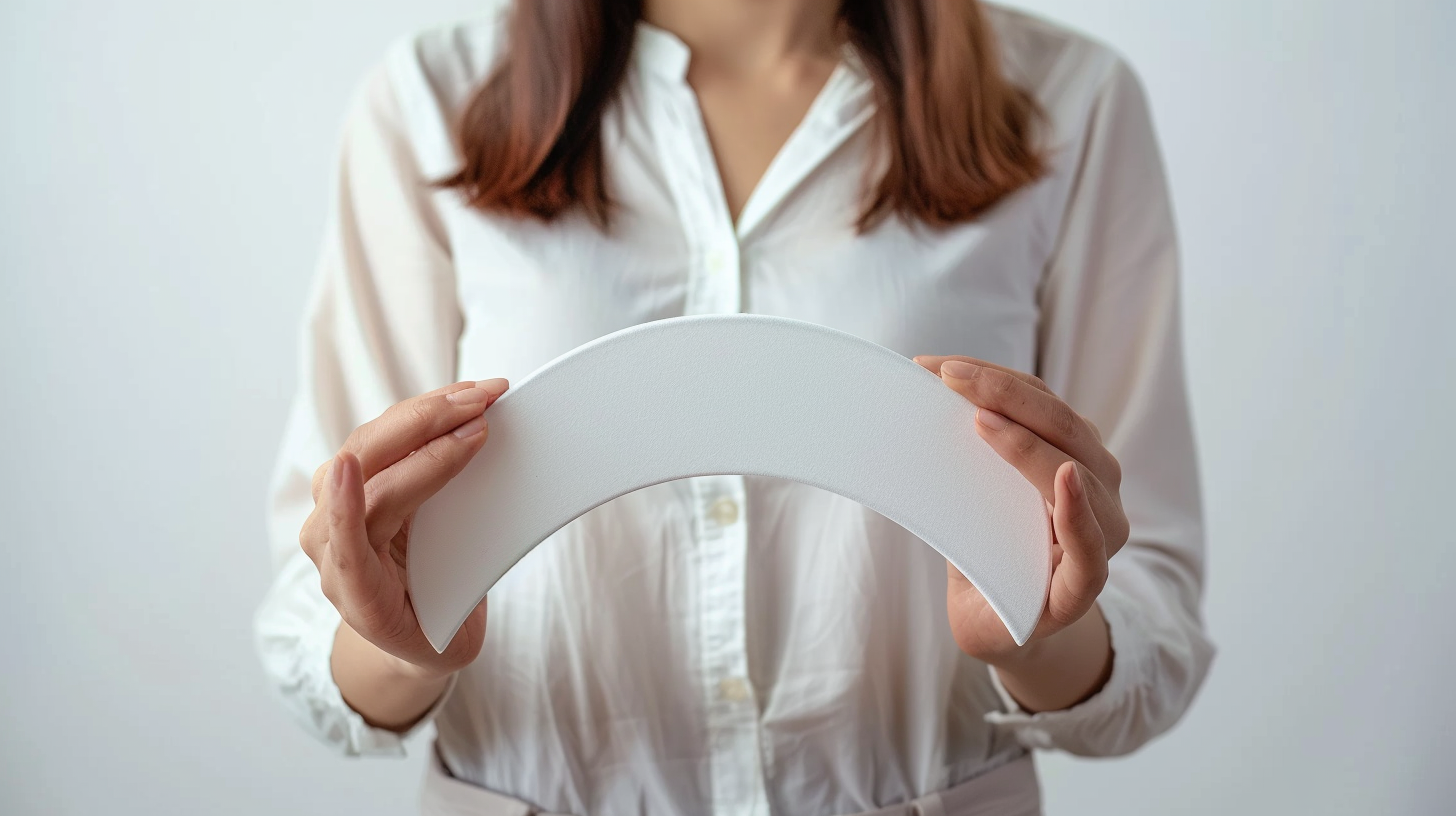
724 511
714 287
732 714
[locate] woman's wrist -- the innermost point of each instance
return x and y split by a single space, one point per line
1061 670
386 691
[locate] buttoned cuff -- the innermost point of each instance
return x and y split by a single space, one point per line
344 723
1075 728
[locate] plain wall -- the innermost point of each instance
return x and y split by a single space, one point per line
163 184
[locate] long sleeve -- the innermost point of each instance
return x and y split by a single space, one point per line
1110 345
381 324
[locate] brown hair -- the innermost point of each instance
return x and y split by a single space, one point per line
959 134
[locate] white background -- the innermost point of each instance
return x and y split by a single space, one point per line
163 172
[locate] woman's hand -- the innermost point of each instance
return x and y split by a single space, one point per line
358 532
1060 452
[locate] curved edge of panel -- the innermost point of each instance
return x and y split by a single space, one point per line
1004 580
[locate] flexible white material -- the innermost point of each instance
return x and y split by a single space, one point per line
731 394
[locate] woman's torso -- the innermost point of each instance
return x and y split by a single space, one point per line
725 643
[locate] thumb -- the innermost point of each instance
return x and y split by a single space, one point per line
352 567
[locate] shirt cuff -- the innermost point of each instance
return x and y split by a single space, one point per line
1069 727
359 736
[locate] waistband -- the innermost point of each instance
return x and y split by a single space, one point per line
1007 790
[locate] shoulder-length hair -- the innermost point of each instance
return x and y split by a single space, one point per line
959 134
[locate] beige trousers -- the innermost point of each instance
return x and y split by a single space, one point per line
1009 790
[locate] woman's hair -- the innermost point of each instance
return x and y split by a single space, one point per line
959 134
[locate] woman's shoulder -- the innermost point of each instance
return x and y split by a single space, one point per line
1063 67
432 71
450 58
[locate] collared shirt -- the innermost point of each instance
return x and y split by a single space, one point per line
736 644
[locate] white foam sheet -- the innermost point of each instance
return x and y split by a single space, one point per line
731 394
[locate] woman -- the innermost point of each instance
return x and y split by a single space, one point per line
973 187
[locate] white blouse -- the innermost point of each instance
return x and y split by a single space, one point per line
729 644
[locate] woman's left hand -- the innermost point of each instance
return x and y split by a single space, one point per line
1061 452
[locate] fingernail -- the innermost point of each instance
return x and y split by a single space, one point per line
1074 483
991 419
495 387
471 428
959 369
336 470
468 396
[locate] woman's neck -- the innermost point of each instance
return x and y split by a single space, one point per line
749 36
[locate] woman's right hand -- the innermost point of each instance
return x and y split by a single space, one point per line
364 500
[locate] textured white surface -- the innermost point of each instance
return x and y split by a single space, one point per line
744 394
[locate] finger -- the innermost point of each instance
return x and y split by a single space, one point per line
957 580
407 425
401 488
319 474
1036 458
1082 572
933 362
313 537
1039 460
351 568
1043 412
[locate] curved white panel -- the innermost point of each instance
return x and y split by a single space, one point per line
735 394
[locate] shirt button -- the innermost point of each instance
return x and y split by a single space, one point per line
1038 738
717 262
733 689
724 511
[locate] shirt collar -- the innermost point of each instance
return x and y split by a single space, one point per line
657 52
660 53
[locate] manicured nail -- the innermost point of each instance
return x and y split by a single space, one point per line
959 369
471 428
991 419
1074 483
468 396
336 470
495 387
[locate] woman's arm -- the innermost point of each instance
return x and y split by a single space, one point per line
1069 656
1063 670
381 325
1110 346
358 537
388 692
